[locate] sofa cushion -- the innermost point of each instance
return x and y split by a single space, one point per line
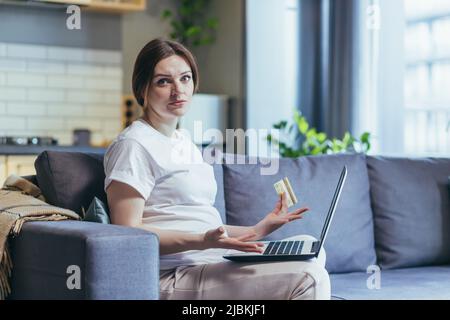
249 196
72 179
410 283
411 210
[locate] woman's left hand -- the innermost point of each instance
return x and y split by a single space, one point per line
277 218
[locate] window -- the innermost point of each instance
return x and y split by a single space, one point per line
426 78
271 66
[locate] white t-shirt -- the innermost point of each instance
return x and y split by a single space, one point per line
179 188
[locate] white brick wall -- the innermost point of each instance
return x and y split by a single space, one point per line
67 110
15 79
65 81
46 123
50 90
25 51
12 123
12 65
85 69
101 110
87 96
46 67
12 94
66 54
43 95
26 109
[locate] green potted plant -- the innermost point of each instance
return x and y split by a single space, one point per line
189 23
298 139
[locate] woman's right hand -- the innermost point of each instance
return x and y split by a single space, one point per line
215 238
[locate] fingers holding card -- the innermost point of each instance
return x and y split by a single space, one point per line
285 186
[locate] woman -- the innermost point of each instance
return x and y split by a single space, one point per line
156 180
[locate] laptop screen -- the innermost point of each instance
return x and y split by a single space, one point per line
337 194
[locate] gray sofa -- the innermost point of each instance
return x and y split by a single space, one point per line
390 237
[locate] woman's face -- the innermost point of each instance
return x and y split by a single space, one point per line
171 88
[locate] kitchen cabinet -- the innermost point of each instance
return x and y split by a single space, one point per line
116 6
18 165
76 2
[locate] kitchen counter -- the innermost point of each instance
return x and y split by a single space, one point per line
35 150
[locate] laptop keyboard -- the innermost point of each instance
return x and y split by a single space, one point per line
287 247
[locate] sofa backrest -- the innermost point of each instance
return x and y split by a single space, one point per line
72 179
411 210
392 208
249 196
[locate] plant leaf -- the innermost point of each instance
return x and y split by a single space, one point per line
347 138
212 23
302 124
311 133
176 26
314 142
280 125
365 137
321 137
166 14
193 31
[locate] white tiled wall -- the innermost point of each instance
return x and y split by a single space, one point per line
50 91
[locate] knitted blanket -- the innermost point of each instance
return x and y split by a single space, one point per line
20 202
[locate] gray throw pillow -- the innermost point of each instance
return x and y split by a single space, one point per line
70 180
98 212
411 210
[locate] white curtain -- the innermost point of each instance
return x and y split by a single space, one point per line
381 69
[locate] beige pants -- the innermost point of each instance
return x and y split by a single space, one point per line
290 280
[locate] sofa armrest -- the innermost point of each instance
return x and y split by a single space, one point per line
114 262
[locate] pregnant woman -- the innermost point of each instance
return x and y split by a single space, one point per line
156 180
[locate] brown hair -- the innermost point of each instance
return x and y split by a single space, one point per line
153 52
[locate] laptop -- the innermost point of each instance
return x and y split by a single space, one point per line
292 250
